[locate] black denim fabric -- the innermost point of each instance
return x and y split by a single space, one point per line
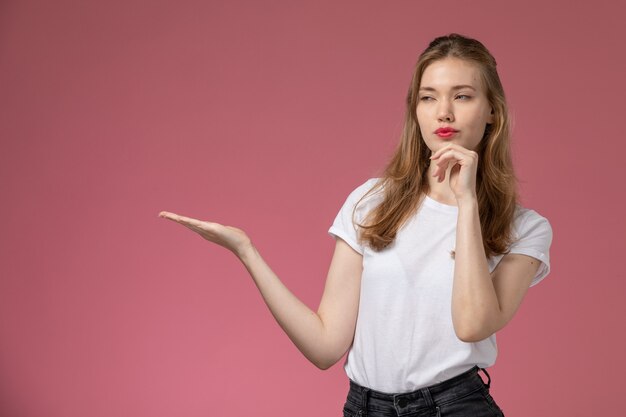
465 395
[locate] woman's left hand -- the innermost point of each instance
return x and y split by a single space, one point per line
463 172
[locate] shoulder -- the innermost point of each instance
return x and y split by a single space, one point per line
360 201
527 220
363 199
364 188
367 194
532 236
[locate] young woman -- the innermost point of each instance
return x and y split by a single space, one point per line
431 260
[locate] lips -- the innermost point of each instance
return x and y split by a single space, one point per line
445 132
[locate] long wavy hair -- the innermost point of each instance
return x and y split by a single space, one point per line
405 183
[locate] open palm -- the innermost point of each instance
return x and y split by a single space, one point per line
231 238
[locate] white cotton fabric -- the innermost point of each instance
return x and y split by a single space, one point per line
404 336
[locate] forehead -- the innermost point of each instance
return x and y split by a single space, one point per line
445 73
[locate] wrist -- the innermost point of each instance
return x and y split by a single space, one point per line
467 201
246 252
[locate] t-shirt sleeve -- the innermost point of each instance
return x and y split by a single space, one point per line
344 225
534 237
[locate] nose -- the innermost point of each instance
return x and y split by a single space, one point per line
444 112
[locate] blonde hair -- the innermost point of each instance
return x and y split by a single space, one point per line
405 183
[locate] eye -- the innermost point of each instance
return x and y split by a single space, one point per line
426 98
463 97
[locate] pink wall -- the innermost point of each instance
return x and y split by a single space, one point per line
266 115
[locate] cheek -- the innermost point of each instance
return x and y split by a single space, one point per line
421 124
481 119
421 118
487 117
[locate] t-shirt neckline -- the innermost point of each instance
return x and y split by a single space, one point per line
439 206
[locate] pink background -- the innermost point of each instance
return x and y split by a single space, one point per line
266 115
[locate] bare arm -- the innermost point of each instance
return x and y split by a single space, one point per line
483 303
323 336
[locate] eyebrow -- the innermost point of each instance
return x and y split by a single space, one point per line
456 87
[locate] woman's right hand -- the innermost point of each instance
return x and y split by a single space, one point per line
323 337
233 239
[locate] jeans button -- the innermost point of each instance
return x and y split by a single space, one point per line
402 402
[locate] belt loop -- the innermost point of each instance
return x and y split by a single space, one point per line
425 392
488 384
364 394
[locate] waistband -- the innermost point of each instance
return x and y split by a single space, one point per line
428 397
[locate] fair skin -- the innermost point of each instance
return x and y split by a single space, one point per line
482 303
323 336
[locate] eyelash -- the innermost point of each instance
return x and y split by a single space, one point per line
425 98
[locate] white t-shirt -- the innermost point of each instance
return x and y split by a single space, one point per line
404 337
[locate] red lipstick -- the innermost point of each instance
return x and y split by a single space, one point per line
445 132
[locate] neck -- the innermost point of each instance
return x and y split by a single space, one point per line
440 191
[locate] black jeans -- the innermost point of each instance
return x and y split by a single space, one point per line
465 395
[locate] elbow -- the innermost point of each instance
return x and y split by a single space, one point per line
324 363
325 355
472 328
471 337
472 334
326 359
